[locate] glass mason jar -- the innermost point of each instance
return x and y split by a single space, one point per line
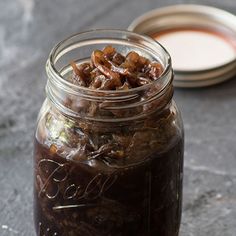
108 163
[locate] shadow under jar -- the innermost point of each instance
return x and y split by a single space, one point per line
107 163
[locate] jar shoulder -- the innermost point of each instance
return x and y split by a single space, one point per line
81 140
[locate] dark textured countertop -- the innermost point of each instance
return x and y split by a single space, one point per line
28 30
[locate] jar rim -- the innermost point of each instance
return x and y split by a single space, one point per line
52 71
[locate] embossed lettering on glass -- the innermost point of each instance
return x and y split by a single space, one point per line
107 162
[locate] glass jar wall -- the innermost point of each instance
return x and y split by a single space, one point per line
108 162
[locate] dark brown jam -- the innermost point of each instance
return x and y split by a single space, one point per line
110 70
80 200
104 179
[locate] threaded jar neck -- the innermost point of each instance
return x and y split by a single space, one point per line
106 105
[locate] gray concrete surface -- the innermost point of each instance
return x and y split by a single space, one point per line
28 30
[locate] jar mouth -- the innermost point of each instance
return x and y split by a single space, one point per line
61 49
107 105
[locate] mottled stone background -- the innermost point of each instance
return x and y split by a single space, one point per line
28 30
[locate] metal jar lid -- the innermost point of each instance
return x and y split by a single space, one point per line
191 16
